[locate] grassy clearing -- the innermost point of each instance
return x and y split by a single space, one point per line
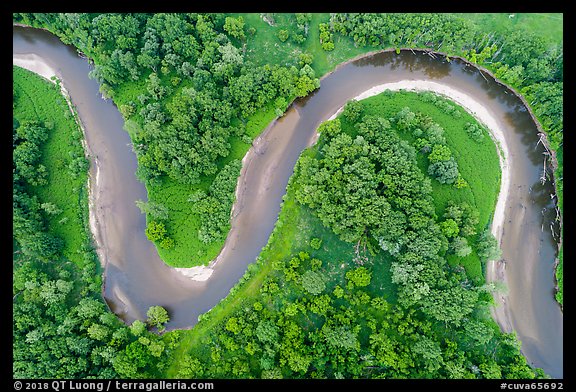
41 100
484 184
266 47
182 224
548 25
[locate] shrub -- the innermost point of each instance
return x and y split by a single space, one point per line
315 243
313 282
283 35
155 231
446 172
487 247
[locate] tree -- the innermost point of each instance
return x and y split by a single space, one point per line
340 337
313 282
430 352
330 128
233 325
305 58
439 153
283 35
51 208
405 119
359 277
137 327
190 368
475 132
479 332
450 304
157 316
460 247
326 37
98 332
235 27
446 172
167 243
449 228
352 110
464 215
267 331
487 246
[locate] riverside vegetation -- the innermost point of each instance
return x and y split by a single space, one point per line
62 327
195 89
355 280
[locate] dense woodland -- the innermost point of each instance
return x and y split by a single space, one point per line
315 318
191 94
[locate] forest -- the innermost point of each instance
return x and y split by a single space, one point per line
388 283
324 307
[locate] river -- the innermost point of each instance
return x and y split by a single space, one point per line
135 278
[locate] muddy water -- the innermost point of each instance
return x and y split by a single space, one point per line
135 278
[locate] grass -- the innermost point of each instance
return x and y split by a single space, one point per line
548 25
182 224
484 184
40 100
265 46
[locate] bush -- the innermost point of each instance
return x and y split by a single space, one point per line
167 243
487 247
449 228
475 132
283 35
330 128
155 231
313 282
315 243
446 172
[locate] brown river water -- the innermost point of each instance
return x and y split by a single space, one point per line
135 277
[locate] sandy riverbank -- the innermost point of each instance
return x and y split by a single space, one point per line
36 64
495 269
